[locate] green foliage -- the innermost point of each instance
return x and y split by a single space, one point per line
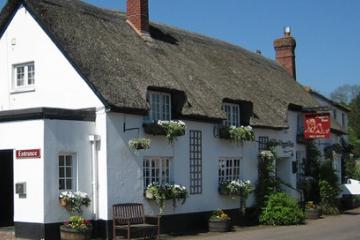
357 170
327 173
267 183
78 223
354 126
170 129
310 182
345 93
328 195
355 142
354 116
173 129
281 210
162 192
329 188
241 134
219 215
74 201
139 143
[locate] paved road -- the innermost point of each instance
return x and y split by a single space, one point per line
342 227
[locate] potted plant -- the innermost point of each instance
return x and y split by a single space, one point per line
219 221
137 144
237 134
170 129
312 211
77 227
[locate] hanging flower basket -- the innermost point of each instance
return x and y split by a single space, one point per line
140 144
163 192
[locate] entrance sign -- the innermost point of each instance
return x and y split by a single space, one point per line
28 154
317 125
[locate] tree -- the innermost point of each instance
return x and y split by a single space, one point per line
354 116
345 93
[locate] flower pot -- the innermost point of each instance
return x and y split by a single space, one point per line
73 234
62 202
312 213
219 225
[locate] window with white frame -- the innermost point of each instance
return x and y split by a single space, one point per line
160 106
67 172
229 169
157 170
23 75
232 114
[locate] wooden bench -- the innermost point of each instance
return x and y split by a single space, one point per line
130 218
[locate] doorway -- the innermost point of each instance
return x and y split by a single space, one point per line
6 188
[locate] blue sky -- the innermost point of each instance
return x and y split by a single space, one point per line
327 31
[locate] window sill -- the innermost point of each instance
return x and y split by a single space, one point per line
22 90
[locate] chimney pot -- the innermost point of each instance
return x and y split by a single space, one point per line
287 31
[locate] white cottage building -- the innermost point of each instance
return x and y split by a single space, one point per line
77 83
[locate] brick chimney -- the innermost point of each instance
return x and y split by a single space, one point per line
137 15
285 52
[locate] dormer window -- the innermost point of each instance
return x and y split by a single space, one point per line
23 75
233 114
160 106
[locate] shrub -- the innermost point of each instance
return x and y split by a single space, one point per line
267 183
281 210
328 196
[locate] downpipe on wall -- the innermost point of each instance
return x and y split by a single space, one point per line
94 141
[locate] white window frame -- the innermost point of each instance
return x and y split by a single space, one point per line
159 113
74 172
157 171
229 168
232 111
26 84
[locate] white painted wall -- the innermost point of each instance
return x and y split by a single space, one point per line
125 176
57 84
66 137
24 135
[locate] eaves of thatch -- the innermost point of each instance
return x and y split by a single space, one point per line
120 66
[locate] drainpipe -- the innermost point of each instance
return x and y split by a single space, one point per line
94 139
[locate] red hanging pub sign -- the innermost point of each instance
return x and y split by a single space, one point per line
317 125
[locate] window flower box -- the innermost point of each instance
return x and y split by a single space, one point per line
170 129
154 129
237 134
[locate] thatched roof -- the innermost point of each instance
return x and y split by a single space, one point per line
120 66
